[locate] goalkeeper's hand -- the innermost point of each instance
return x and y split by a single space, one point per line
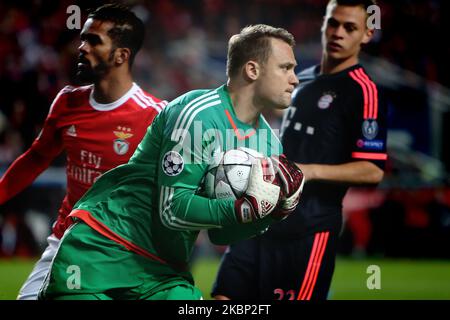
261 196
292 185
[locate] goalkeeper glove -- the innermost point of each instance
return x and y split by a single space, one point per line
261 196
292 185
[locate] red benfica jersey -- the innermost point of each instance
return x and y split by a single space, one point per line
96 137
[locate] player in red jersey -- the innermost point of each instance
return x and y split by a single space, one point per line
99 125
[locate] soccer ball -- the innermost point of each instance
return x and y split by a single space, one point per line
228 174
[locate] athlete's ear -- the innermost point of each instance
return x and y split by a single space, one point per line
368 34
252 70
122 55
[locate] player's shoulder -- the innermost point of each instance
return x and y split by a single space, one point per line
193 96
149 95
358 79
309 73
75 90
146 100
69 96
73 94
184 111
192 100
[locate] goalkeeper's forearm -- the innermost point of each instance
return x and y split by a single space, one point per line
181 207
232 234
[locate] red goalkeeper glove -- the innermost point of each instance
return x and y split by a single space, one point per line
292 185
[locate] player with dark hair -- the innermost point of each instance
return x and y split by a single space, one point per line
335 131
127 30
137 225
99 125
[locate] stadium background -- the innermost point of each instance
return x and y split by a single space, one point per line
403 226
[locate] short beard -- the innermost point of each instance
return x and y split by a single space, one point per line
93 75
86 76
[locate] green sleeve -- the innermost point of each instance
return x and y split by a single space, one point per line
180 205
232 234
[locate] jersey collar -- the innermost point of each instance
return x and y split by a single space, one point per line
113 105
337 74
225 96
237 125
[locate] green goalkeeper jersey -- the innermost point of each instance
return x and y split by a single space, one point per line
153 204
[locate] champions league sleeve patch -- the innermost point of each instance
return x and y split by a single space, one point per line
370 129
172 163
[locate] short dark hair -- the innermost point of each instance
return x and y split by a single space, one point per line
253 43
353 3
128 31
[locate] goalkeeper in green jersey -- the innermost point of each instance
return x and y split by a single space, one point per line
136 227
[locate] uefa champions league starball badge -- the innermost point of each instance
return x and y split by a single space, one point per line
172 163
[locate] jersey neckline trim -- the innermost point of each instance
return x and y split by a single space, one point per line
235 128
316 72
223 92
113 105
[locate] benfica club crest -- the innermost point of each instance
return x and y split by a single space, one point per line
121 145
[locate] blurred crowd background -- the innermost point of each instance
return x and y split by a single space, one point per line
185 48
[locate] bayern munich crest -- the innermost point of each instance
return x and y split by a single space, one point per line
325 100
172 163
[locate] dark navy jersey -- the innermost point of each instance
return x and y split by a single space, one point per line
334 119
